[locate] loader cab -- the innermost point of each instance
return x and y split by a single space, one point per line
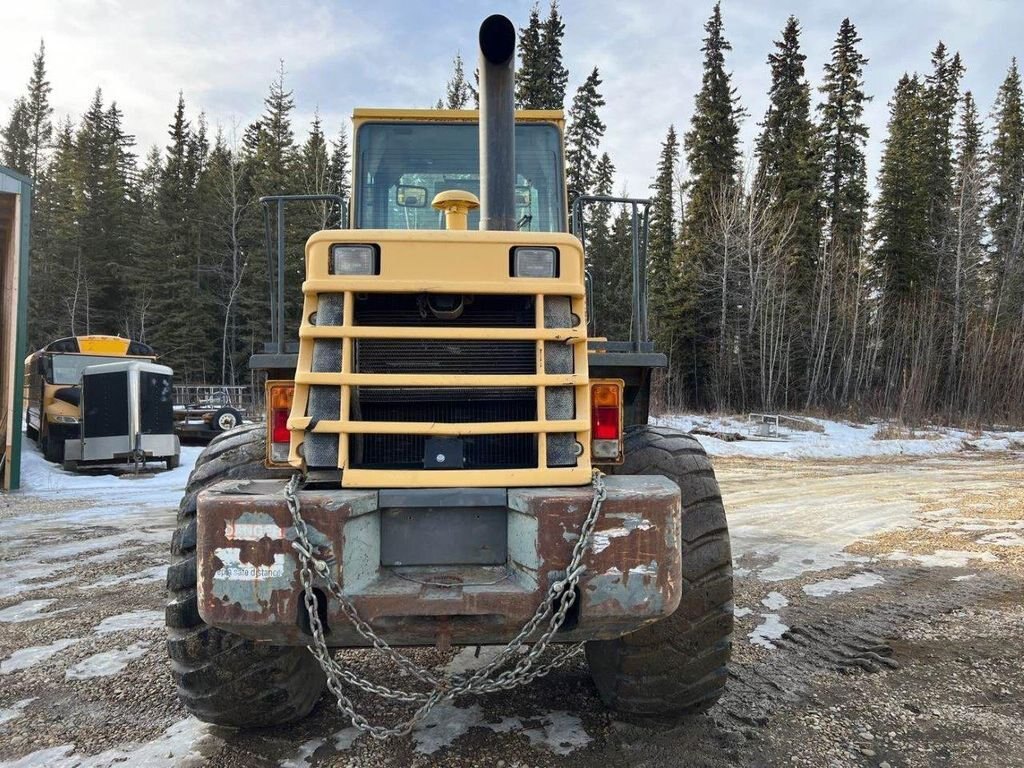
53 378
402 159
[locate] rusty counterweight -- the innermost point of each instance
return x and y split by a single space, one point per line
248 572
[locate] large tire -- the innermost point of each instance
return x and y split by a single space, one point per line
676 666
223 678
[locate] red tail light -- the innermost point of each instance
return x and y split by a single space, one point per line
281 434
606 421
279 401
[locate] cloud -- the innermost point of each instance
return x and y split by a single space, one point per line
339 55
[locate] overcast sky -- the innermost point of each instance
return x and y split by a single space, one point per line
339 55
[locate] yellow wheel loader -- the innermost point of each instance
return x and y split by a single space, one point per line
451 456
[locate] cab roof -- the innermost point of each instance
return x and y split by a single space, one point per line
371 114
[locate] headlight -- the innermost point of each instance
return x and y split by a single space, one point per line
65 419
534 262
354 260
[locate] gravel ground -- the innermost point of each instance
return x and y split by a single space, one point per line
879 622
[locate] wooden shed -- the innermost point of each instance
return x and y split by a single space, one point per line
15 214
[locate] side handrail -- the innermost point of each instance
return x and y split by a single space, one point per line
639 231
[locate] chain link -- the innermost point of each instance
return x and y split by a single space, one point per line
487 679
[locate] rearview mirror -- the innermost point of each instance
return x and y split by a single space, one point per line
409 196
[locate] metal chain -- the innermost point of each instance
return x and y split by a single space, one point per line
486 679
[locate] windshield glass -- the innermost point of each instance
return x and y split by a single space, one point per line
67 369
403 165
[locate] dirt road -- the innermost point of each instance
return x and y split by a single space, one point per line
879 622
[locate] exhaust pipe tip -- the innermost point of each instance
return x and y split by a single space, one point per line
497 39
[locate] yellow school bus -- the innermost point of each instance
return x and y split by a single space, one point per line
52 385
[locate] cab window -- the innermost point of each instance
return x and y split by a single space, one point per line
402 166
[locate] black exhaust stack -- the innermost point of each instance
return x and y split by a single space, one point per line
497 124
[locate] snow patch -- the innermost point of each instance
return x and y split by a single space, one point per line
156 573
559 732
828 587
304 756
770 629
774 601
107 663
739 613
150 488
944 558
965 577
180 746
1002 539
836 440
466 660
28 610
132 620
345 738
29 657
443 725
14 711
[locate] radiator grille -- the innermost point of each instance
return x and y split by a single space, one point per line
444 356
381 403
479 452
405 310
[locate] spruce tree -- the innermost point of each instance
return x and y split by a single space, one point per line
39 112
608 262
272 170
583 136
17 142
666 304
339 175
787 168
458 93
530 85
1006 214
64 294
901 218
967 232
177 328
314 168
713 157
940 97
712 143
105 165
555 75
843 135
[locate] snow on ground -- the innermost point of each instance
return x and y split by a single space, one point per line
153 486
132 620
770 629
838 440
828 587
107 663
23 658
178 747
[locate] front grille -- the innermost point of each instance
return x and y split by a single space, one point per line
444 356
451 405
387 404
479 451
405 310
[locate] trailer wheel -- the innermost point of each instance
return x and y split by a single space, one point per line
225 419
676 666
223 678
173 462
